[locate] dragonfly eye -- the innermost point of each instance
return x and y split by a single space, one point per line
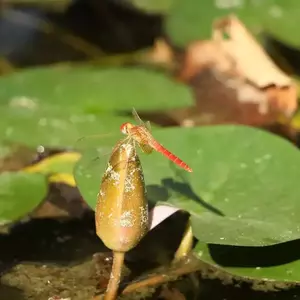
123 128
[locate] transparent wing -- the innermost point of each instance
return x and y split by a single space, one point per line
137 117
139 120
148 125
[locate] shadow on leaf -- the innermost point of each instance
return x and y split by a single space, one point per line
267 256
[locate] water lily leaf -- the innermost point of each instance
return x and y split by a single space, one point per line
93 90
242 190
20 194
53 128
278 265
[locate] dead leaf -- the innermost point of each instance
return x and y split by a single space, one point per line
234 80
161 53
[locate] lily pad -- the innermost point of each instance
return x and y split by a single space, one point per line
53 128
93 90
243 189
275 266
20 193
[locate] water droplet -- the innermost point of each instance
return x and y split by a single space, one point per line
257 160
40 149
258 268
222 238
267 156
289 272
43 122
8 131
23 101
275 11
228 4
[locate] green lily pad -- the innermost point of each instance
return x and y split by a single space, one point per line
243 189
92 90
278 264
20 193
53 128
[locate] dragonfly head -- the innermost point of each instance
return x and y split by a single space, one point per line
125 128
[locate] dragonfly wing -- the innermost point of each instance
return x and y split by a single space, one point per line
148 125
137 117
140 121
146 148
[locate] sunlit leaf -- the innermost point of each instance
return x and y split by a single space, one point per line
58 163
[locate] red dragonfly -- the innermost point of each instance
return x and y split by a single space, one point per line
142 135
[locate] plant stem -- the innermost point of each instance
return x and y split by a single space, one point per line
186 243
115 276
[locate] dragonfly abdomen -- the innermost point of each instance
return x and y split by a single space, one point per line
175 159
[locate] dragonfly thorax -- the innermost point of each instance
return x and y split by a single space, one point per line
125 128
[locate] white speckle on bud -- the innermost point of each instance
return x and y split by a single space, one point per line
115 176
127 219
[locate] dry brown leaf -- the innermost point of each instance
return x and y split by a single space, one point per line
161 53
234 80
250 59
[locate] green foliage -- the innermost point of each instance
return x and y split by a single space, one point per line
20 194
239 192
192 20
53 128
278 265
91 90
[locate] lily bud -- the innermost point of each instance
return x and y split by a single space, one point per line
122 209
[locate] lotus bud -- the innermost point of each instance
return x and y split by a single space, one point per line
122 209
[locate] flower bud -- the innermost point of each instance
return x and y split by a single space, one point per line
122 209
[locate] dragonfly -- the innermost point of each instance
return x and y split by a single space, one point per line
92 162
141 134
